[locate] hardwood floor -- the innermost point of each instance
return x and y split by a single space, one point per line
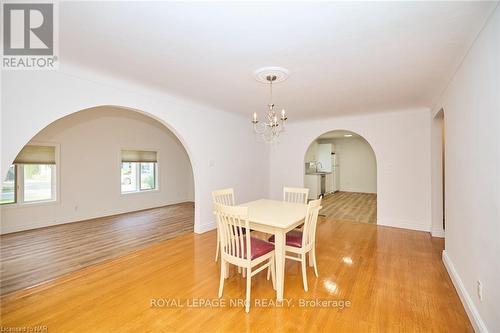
351 206
31 257
394 280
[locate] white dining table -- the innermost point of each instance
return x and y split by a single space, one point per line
277 218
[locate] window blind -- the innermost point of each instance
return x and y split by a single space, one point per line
36 155
138 156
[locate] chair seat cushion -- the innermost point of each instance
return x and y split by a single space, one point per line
259 247
293 238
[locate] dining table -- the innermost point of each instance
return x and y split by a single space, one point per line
277 218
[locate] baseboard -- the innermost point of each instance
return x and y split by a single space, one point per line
467 302
205 227
404 224
437 233
355 191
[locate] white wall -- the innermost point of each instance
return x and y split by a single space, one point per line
471 106
401 143
311 153
88 169
32 100
357 165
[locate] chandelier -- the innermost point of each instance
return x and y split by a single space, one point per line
273 124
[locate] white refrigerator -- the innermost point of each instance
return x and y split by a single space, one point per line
335 174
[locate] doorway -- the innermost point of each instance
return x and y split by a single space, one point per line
439 173
340 165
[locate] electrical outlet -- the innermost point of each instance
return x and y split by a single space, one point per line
480 290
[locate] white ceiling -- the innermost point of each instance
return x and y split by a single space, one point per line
344 57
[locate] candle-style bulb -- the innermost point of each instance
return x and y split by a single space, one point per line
283 114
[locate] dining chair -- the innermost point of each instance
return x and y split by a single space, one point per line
224 197
295 194
300 243
240 249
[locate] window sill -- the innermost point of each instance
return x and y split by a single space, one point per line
29 204
139 192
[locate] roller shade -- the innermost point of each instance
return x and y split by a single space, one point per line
138 156
36 155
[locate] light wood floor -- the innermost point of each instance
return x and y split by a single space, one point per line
31 257
351 206
394 280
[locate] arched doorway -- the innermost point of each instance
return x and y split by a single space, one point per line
341 166
46 135
109 179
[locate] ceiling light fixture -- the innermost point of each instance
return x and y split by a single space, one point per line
347 135
270 129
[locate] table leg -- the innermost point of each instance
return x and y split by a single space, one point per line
279 248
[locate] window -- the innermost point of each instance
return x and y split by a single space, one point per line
32 177
148 173
138 171
9 187
37 182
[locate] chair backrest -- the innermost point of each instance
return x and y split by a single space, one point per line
234 231
224 197
295 194
311 220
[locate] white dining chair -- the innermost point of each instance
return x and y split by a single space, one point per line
295 194
300 243
240 249
223 197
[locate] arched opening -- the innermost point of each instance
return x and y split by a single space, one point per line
105 181
341 166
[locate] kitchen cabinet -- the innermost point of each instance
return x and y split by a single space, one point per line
313 183
319 172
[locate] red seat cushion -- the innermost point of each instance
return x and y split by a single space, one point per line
258 247
293 238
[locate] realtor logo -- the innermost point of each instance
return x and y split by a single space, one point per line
28 36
